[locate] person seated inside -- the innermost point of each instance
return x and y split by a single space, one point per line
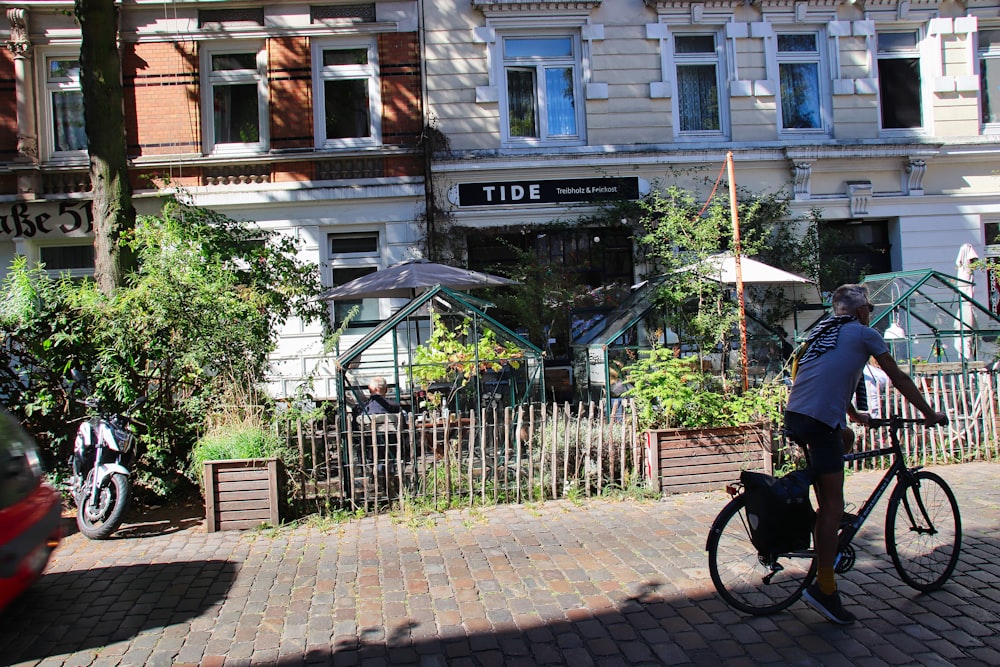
377 403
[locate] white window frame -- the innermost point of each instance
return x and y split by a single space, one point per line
36 256
369 72
579 102
920 53
818 57
717 58
351 260
48 132
210 79
990 53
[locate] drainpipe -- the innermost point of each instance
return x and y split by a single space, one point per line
428 147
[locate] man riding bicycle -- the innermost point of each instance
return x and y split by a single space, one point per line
827 375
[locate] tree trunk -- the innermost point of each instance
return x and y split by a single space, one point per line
104 120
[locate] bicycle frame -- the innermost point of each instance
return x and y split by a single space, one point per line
897 471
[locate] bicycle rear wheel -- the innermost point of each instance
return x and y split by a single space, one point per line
923 531
745 580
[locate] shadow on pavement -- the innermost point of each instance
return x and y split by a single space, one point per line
66 612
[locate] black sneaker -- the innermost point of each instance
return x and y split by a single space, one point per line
828 605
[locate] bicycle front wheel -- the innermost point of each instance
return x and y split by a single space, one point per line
923 531
746 580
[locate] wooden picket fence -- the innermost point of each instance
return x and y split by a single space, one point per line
544 451
969 400
531 453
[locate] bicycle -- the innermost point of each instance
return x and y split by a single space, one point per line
923 535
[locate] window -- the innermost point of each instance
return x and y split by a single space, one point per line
541 83
800 83
989 76
698 84
354 255
347 96
234 99
64 98
899 80
77 260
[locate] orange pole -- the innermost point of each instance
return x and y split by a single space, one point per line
739 270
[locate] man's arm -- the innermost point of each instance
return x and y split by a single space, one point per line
905 385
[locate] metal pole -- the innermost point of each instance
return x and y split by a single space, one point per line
739 270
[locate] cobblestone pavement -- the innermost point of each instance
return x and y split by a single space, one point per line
594 583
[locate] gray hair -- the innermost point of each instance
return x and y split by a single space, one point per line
848 298
378 384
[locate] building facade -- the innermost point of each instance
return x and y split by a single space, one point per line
303 118
882 116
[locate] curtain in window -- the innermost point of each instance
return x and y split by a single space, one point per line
559 101
67 120
697 98
800 96
521 102
237 118
989 82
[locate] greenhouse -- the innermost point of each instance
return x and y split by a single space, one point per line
932 321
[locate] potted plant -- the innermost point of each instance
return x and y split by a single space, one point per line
700 432
241 470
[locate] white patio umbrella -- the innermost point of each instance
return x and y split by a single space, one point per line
722 267
966 319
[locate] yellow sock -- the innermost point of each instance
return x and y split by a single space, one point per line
827 584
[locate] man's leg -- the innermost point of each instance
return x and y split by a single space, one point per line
830 496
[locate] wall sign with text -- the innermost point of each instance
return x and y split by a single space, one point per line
25 220
557 191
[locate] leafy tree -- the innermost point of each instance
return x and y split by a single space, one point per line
198 319
104 122
679 233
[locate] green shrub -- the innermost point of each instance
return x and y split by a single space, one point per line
236 441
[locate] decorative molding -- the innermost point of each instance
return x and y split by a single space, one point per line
915 168
860 194
18 44
803 173
539 6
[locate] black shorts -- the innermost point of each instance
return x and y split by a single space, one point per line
824 444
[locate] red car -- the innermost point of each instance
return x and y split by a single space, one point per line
30 512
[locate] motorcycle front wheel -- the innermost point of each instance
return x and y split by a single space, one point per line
97 519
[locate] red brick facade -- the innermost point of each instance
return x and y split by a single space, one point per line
8 107
163 114
161 98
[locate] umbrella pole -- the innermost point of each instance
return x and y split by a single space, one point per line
739 270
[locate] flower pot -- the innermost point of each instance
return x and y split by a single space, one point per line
705 459
241 494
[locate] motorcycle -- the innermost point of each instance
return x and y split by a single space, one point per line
103 451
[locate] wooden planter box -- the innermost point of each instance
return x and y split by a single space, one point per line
685 460
242 493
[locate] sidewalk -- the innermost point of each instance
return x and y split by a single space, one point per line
599 583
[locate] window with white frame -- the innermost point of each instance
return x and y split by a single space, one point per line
541 101
77 260
802 86
352 255
899 80
699 83
989 77
234 98
64 106
347 98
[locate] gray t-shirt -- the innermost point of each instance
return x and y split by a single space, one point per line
824 385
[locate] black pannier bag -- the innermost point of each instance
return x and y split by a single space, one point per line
778 509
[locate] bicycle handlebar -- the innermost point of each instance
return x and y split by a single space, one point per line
897 421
